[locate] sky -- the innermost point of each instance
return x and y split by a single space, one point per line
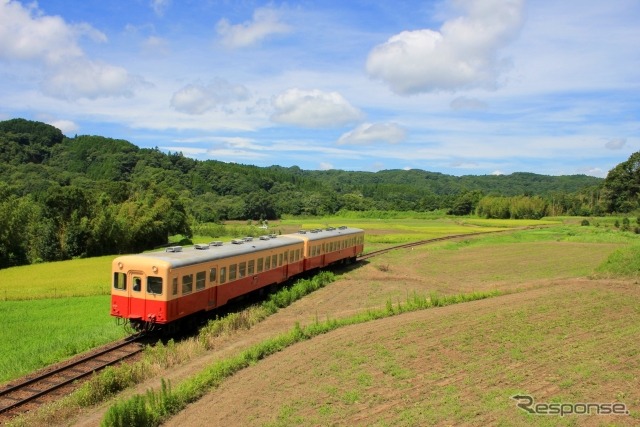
461 87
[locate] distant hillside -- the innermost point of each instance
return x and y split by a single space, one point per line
89 195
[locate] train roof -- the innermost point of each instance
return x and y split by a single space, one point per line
323 233
178 256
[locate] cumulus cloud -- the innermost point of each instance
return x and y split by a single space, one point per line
462 54
368 133
325 166
160 6
616 143
265 23
199 98
83 78
314 109
66 126
463 103
27 35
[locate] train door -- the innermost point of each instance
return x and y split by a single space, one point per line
137 301
212 292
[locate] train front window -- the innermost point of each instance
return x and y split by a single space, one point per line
137 284
120 281
154 285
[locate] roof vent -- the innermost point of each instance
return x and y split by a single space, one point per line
248 239
302 231
216 243
201 247
272 236
330 228
264 237
342 227
174 249
237 241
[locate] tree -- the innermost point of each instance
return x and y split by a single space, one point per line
622 185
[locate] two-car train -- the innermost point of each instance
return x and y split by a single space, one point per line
161 289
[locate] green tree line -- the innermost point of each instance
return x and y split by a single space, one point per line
64 197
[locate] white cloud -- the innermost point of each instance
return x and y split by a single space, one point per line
265 22
462 54
615 143
325 166
369 133
497 172
26 34
160 6
83 78
314 109
155 45
29 36
463 103
198 98
66 126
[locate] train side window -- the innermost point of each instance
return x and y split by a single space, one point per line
242 270
212 275
274 261
175 286
267 263
137 284
260 265
297 255
223 274
187 284
232 271
250 267
286 257
120 281
280 260
200 280
154 285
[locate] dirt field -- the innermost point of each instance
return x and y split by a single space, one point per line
569 341
558 337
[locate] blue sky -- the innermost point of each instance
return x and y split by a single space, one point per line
460 87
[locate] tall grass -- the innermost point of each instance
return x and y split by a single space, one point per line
622 262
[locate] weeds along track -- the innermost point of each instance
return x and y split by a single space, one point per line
53 382
427 241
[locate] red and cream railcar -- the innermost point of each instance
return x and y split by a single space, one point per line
328 246
161 288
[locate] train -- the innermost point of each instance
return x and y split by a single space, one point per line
166 289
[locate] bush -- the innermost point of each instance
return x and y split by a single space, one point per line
585 223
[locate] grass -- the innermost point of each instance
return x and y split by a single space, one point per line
37 333
79 277
620 264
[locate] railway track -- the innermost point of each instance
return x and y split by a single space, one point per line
32 391
51 383
424 242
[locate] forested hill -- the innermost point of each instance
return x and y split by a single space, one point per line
63 197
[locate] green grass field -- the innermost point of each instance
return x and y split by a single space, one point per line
36 333
52 311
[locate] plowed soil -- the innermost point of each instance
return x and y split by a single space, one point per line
556 336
